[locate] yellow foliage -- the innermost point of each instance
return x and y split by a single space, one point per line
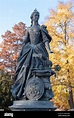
60 28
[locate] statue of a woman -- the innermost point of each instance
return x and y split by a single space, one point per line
33 63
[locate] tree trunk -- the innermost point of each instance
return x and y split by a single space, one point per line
71 97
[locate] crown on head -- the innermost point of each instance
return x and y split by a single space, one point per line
35 11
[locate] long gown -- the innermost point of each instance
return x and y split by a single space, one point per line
33 59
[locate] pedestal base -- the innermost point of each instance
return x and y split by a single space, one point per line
31 105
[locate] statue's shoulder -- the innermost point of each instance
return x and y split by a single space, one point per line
45 31
28 29
44 28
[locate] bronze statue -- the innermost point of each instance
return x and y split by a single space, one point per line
32 77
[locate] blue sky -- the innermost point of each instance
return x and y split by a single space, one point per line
15 11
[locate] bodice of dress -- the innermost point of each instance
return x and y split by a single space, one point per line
35 35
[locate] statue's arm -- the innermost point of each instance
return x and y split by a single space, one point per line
26 40
46 39
47 46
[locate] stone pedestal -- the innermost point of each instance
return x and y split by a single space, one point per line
31 105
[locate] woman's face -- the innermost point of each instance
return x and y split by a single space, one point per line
35 17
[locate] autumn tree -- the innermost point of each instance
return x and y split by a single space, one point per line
10 47
60 25
5 86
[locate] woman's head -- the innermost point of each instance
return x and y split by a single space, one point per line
35 16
